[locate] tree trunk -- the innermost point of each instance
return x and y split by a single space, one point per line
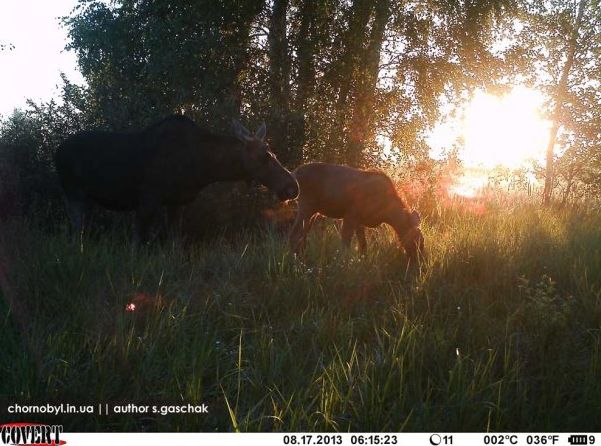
305 50
363 110
279 80
560 98
305 53
346 74
232 26
569 181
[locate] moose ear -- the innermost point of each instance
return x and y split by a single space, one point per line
261 132
414 218
240 131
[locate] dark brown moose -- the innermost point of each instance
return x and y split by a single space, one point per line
360 198
165 164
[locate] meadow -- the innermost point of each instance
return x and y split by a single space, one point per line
499 329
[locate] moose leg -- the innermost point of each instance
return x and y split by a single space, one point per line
77 215
360 231
77 208
174 221
145 215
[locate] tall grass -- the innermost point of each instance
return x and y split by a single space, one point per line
500 329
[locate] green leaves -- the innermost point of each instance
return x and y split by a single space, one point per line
315 70
143 60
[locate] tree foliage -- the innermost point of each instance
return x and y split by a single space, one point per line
335 80
28 140
329 76
563 41
145 59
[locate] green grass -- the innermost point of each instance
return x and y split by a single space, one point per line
499 330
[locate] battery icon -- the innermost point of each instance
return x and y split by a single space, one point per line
578 439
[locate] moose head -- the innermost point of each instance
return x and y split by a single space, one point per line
261 165
413 239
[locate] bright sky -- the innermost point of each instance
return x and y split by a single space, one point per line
507 130
32 69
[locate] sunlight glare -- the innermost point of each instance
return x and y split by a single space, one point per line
492 131
469 184
506 131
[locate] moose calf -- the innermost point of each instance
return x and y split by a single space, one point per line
360 198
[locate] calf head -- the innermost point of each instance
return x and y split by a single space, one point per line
261 165
413 239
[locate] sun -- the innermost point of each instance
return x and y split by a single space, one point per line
492 131
504 130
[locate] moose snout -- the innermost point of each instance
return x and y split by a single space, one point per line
289 192
413 242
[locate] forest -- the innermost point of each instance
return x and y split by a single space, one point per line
498 329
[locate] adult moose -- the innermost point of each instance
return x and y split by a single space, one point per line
361 198
165 164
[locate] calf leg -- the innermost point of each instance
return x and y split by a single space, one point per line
348 229
308 227
360 231
300 229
